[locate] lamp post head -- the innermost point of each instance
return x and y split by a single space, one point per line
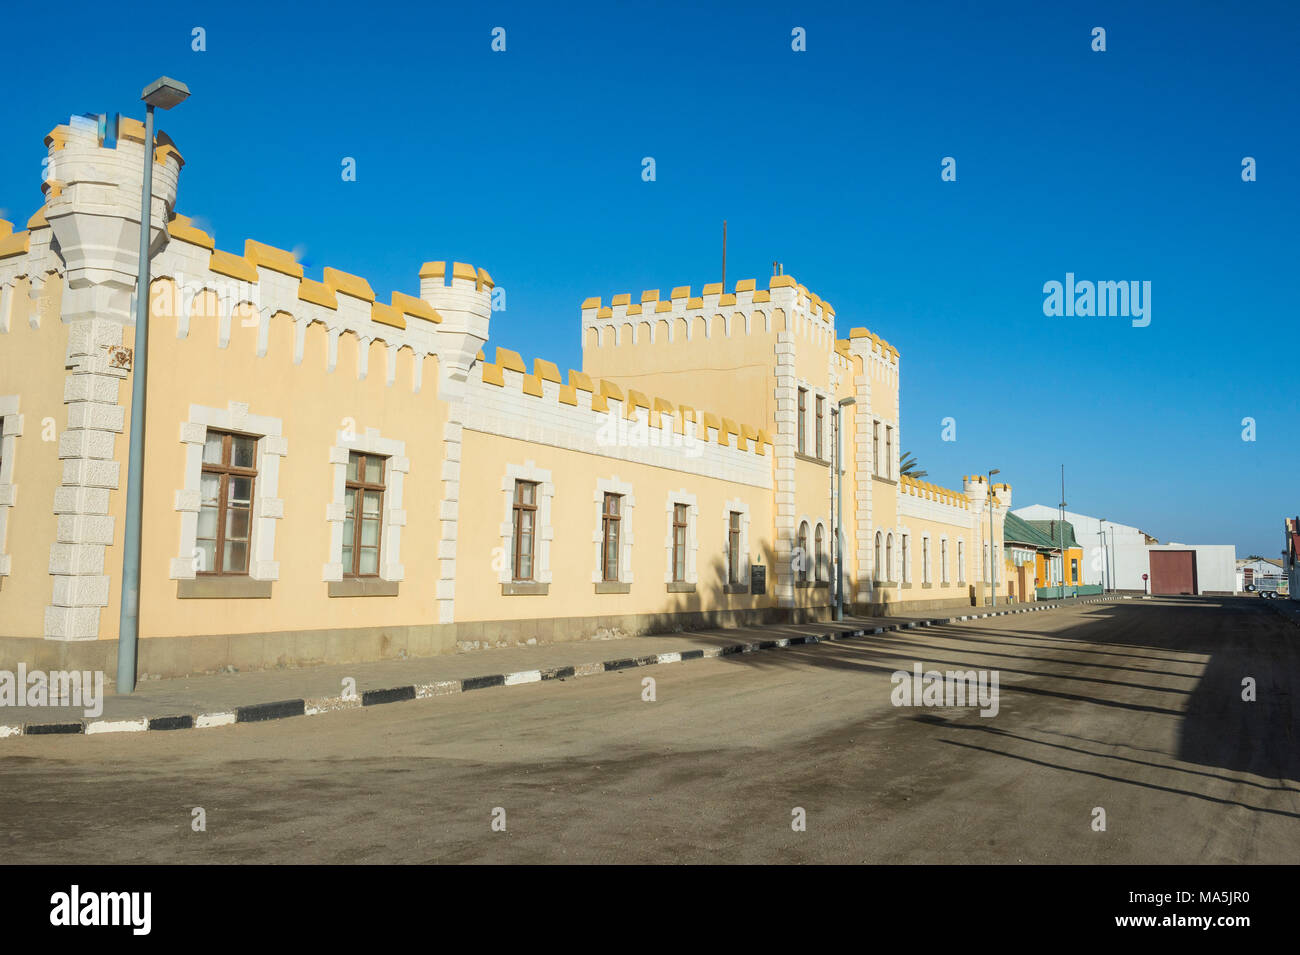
165 92
845 402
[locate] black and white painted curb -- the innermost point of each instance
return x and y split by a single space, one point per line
260 712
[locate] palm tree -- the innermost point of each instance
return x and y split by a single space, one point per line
908 468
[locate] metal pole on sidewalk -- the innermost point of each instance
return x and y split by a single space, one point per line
165 93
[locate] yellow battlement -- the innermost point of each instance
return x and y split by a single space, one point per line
510 370
878 345
932 492
324 293
631 319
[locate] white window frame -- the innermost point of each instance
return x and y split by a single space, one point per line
736 504
12 430
393 518
822 575
612 485
268 507
543 533
692 536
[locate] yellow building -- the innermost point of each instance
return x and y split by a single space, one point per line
330 476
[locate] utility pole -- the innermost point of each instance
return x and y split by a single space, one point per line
1062 530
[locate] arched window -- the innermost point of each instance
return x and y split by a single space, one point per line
925 560
907 560
878 565
943 560
961 562
819 551
889 557
803 552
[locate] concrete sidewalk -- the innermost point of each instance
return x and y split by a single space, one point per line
270 694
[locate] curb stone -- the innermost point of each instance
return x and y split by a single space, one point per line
283 709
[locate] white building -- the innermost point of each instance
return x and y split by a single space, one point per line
1250 569
1117 555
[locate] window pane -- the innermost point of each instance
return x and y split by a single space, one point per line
349 533
207 555
240 490
208 524
242 452
611 504
236 558
347 559
237 524
212 448
525 569
370 504
354 466
374 470
369 532
209 488
526 525
369 561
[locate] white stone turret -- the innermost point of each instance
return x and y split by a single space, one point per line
93 210
465 305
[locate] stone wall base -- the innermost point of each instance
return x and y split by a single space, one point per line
188 656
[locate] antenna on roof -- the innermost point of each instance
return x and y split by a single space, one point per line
724 255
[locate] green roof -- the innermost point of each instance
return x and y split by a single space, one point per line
1017 530
1054 531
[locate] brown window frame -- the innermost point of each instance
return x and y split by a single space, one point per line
225 470
357 490
611 519
819 404
518 509
681 518
733 547
803 420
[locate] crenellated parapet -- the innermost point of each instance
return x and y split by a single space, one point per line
925 491
784 306
265 282
980 492
598 416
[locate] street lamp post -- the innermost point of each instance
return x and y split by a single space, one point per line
837 412
163 93
993 561
1105 556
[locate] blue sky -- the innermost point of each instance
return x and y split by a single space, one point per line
1117 165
